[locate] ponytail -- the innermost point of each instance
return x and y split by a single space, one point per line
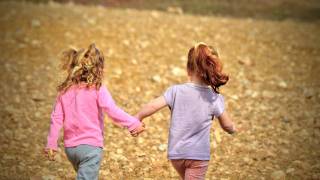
205 61
82 66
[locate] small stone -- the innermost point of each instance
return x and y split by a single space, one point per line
155 14
140 141
278 175
247 160
140 160
176 71
119 151
118 72
267 94
25 145
141 154
17 99
248 92
21 45
308 93
235 97
35 42
156 78
134 61
162 147
290 170
37 114
183 58
28 77
245 61
22 83
282 84
285 119
144 44
126 42
68 34
92 21
35 23
285 151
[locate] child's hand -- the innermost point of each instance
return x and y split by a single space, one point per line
239 130
50 153
138 130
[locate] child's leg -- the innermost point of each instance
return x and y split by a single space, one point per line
196 169
86 161
90 158
179 166
71 154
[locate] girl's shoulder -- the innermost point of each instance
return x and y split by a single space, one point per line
80 89
215 96
178 86
173 88
102 88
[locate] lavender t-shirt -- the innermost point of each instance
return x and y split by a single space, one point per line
193 108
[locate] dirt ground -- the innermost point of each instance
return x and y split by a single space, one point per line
273 94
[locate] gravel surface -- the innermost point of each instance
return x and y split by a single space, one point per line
273 94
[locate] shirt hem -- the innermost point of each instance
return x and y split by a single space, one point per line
191 157
83 142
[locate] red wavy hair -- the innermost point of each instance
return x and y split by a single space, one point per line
205 62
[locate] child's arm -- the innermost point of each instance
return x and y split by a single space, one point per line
57 116
226 123
115 113
152 107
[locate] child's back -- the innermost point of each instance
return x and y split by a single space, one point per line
79 108
193 106
192 110
83 121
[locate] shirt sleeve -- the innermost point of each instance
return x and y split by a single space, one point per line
169 96
57 117
219 106
108 105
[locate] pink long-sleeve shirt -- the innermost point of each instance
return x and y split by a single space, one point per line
80 111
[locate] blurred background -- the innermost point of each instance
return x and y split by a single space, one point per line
270 49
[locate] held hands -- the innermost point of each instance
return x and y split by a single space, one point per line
50 153
138 130
147 110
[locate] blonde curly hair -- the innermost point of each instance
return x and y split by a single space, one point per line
82 66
